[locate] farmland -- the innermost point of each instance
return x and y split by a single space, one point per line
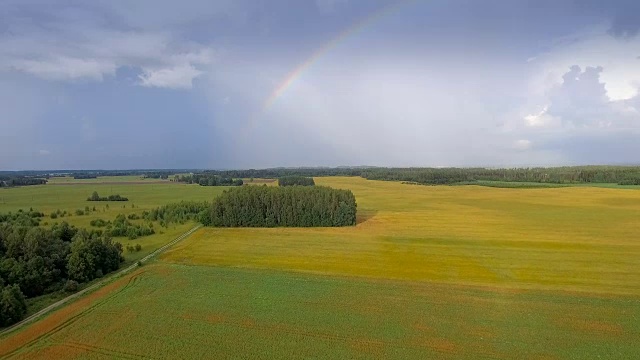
68 194
428 272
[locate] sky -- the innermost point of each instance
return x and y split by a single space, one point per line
230 84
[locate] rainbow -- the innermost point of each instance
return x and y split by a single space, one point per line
350 31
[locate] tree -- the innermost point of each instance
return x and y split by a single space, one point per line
12 305
92 255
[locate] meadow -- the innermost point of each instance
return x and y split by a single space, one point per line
428 272
68 194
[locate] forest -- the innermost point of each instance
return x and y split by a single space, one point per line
207 179
35 260
85 176
10 181
295 180
624 175
289 206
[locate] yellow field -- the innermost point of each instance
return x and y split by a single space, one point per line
571 239
442 272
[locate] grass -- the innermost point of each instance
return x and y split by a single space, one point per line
266 314
428 272
144 195
582 239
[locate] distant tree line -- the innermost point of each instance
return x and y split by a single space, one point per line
629 175
207 179
35 260
11 181
295 180
85 176
292 206
96 197
157 175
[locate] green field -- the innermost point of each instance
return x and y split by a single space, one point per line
70 194
428 272
143 195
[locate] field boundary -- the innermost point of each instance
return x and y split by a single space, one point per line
97 285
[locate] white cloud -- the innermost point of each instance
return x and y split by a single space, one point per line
72 50
44 152
522 144
179 77
66 68
541 119
593 47
582 102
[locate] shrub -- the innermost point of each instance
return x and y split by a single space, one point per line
70 286
99 223
96 197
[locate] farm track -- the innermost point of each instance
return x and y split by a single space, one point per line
96 285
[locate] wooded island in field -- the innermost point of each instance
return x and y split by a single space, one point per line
288 206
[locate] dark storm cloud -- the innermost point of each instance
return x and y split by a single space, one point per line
155 83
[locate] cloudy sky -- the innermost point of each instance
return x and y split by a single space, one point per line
118 84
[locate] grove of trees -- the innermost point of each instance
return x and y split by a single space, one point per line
180 213
295 180
292 206
10 181
35 260
96 197
208 179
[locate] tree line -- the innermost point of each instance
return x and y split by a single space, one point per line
292 180
625 175
96 197
289 206
179 213
84 176
11 181
207 179
36 260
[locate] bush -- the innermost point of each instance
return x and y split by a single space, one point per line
54 215
99 223
79 212
70 286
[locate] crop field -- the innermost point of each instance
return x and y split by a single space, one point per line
143 195
428 272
